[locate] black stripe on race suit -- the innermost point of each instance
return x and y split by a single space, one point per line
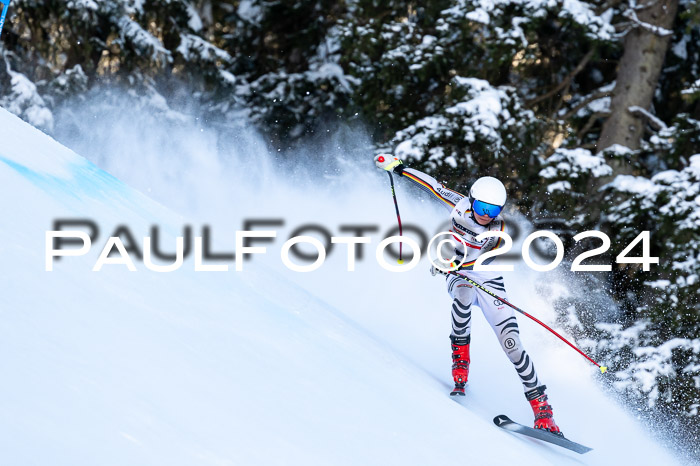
452 284
459 329
524 367
522 356
530 376
513 326
463 315
461 324
532 384
464 307
525 362
494 284
509 318
495 287
495 281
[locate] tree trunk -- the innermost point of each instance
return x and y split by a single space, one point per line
637 75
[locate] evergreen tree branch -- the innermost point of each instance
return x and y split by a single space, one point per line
566 81
606 6
653 120
586 101
589 124
636 22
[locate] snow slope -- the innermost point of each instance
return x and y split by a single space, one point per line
263 366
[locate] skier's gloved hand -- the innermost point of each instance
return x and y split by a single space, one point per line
389 163
434 270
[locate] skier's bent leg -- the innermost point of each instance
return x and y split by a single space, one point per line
462 296
505 326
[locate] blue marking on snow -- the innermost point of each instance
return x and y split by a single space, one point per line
88 181
47 182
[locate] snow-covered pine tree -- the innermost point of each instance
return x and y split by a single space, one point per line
654 345
53 50
286 61
464 87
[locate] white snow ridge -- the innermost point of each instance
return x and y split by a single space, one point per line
263 366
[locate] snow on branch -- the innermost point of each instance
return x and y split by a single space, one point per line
568 164
480 118
654 121
193 47
695 87
24 101
658 30
142 39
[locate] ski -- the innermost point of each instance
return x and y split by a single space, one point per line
506 423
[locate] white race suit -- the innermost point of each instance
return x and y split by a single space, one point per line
464 295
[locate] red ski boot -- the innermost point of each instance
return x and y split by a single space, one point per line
460 363
544 418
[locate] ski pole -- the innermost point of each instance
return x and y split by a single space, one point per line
603 369
398 216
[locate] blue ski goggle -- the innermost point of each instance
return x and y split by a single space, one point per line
483 208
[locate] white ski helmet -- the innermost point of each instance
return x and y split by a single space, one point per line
489 190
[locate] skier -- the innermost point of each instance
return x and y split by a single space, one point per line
470 216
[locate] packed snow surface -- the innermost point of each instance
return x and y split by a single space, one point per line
262 366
